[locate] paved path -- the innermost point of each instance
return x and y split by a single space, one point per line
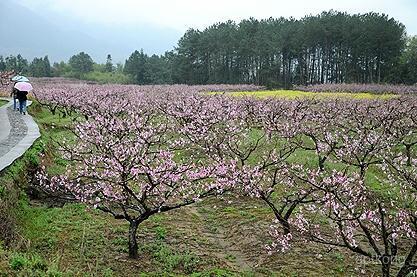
17 134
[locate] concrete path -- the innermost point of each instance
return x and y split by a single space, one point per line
17 133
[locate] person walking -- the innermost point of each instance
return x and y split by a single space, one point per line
14 95
22 97
23 89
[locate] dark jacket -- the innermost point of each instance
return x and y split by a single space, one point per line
14 93
22 95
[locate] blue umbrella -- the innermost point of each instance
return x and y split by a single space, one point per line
20 78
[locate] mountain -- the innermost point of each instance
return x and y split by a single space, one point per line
36 34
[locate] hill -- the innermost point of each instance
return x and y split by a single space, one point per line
39 33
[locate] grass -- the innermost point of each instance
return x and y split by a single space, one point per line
2 102
216 237
198 240
294 94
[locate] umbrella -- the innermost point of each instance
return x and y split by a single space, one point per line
20 78
23 86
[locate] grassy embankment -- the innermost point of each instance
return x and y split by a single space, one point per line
217 237
2 102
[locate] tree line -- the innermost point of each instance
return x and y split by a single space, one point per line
39 67
80 66
332 47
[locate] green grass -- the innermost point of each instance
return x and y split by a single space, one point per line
2 102
294 94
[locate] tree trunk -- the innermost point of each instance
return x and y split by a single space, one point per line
322 160
407 266
133 245
363 168
386 265
405 271
284 222
408 152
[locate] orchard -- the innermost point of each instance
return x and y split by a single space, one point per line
336 172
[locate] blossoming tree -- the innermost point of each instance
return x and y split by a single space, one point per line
124 163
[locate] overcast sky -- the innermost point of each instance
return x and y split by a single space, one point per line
184 14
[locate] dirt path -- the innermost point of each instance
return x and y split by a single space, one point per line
221 240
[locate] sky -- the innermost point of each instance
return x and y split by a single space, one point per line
183 14
62 28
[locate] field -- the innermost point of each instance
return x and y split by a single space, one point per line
230 231
294 94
